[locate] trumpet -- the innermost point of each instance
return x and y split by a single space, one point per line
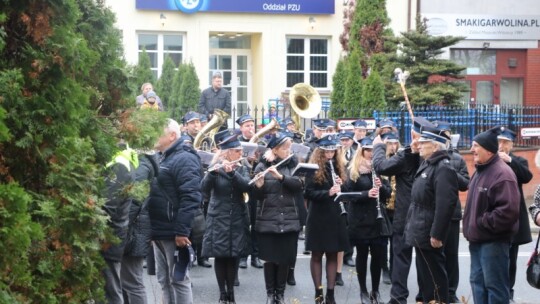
334 179
216 167
263 173
373 177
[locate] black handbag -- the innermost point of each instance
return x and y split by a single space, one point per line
385 224
533 267
137 243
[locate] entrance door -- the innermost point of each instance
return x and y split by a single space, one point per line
235 68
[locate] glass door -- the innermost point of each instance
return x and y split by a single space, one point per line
235 68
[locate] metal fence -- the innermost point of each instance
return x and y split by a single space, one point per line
467 121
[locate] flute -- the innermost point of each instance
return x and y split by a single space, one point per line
219 166
263 173
334 178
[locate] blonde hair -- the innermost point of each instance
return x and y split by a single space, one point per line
358 161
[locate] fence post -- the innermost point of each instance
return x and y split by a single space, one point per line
511 119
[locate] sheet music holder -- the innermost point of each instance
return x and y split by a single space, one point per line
300 150
251 148
305 170
206 157
348 196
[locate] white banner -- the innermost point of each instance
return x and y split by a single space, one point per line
485 27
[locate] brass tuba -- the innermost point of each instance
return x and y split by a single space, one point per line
209 130
305 102
273 125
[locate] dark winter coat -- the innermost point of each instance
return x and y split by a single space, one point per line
403 166
121 173
171 214
520 166
227 220
211 100
139 219
458 163
363 212
434 195
327 230
492 209
276 208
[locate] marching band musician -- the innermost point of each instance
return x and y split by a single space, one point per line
346 140
277 223
192 124
391 140
402 166
247 130
364 231
289 125
327 232
434 195
227 223
451 248
360 131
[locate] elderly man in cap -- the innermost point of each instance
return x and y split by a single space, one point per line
402 166
434 195
451 248
520 167
247 130
490 220
215 97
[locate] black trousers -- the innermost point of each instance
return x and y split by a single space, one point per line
252 205
514 248
431 269
451 250
401 265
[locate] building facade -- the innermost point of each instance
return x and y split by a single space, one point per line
264 47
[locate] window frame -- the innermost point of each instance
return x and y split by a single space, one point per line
161 52
307 55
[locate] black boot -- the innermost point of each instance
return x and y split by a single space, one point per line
329 299
375 297
364 297
269 280
290 277
339 279
319 297
281 283
223 299
230 297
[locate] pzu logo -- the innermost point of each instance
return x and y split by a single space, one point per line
189 6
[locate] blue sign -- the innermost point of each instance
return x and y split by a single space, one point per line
241 6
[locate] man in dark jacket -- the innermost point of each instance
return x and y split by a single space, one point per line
490 220
121 173
520 167
215 97
174 198
403 166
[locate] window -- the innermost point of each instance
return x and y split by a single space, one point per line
158 46
307 61
478 62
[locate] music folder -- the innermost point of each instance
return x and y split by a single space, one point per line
348 196
305 170
206 157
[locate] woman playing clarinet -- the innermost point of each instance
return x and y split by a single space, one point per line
326 221
277 223
227 234
364 230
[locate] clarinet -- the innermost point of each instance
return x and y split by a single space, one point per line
373 177
334 178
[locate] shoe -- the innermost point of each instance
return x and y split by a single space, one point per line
204 263
375 297
270 298
364 298
255 262
243 263
319 297
329 300
280 298
349 262
339 280
236 282
386 277
290 277
230 297
307 252
223 299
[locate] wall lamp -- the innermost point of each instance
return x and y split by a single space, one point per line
486 45
312 22
162 18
